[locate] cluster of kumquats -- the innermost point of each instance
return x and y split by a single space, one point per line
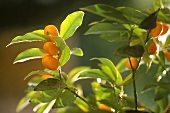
50 59
160 30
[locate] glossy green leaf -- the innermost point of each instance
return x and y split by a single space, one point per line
117 36
149 22
130 51
105 28
160 93
37 35
38 72
77 51
70 24
65 55
50 84
29 54
106 11
24 101
116 76
93 73
133 16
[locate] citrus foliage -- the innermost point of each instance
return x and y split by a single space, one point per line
141 30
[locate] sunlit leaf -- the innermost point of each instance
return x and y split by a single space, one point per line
24 101
70 24
116 76
77 51
38 72
130 51
164 15
94 73
167 42
65 55
37 35
105 28
50 84
150 21
29 54
106 11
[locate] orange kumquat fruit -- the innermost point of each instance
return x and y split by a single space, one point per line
167 55
155 32
50 48
50 31
152 49
50 62
134 63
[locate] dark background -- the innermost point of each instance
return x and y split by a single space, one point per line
18 17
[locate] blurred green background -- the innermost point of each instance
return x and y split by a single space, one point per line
21 16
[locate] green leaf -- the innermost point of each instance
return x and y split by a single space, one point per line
74 73
37 35
126 81
50 84
105 28
130 51
29 54
63 99
149 86
133 16
163 103
116 76
106 11
160 93
24 101
77 51
117 36
38 72
149 22
94 73
121 65
61 44
164 15
65 55
166 44
70 24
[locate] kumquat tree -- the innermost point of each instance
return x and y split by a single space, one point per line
146 38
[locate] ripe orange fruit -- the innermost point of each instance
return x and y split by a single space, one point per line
50 62
167 55
152 49
104 107
50 31
50 48
165 29
134 63
155 32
